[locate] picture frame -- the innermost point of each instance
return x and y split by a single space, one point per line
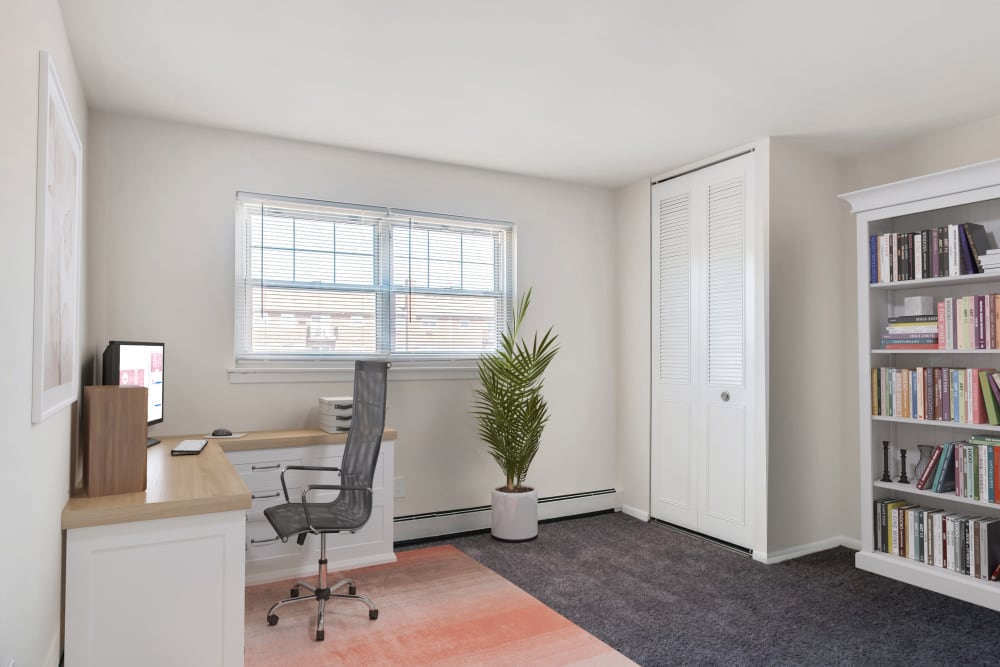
58 222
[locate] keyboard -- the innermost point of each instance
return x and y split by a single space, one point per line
188 447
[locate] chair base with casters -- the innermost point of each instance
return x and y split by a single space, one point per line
321 594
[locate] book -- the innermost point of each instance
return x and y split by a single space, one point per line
991 452
944 479
873 256
926 262
912 332
932 464
978 241
982 550
902 319
935 255
942 341
977 397
992 547
989 399
968 264
944 268
954 256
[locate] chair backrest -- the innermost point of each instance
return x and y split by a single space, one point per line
364 439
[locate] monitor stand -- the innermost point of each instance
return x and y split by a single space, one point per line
152 441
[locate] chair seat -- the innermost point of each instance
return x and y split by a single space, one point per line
290 518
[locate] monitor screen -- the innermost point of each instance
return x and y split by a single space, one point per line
137 364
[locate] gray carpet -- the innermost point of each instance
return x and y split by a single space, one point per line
664 597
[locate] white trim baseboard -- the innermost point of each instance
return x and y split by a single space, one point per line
812 547
453 522
641 515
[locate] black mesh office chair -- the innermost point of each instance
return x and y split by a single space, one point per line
350 510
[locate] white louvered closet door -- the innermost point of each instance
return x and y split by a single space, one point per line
701 413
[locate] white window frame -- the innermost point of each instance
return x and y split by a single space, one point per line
249 367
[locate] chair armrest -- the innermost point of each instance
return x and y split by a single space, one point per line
284 487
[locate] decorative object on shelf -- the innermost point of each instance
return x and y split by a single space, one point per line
511 413
885 462
925 458
59 205
903 479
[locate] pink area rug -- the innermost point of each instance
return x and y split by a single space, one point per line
437 606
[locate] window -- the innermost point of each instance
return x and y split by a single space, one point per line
319 280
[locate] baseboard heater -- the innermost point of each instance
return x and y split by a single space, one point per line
708 538
474 519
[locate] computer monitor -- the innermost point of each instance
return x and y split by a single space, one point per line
138 364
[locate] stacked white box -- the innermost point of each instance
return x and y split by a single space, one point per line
335 413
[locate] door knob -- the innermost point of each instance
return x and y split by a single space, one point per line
725 396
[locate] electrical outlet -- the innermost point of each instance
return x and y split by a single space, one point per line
398 488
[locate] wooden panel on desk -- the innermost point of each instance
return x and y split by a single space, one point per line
113 431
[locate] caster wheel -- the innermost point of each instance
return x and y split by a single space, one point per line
272 619
373 614
294 593
319 635
352 590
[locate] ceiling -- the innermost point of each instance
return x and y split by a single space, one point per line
602 92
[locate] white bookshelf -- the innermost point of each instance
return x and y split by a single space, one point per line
967 194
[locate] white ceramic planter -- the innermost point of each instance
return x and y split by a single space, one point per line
515 515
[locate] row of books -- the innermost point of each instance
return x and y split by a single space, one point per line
969 322
911 332
990 261
962 543
965 395
949 250
969 468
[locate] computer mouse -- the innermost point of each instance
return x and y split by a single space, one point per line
221 432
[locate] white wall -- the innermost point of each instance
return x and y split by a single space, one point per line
161 202
961 145
34 459
633 262
805 433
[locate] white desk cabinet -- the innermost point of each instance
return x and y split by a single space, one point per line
155 578
180 580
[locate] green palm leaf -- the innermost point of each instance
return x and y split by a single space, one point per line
509 406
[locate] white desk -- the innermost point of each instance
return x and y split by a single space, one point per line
157 578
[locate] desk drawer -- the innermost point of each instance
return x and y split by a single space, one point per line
264 476
262 542
261 500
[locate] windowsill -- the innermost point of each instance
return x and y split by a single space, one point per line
401 370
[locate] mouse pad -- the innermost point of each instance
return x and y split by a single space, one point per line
224 437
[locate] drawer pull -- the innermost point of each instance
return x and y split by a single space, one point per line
256 542
270 495
274 467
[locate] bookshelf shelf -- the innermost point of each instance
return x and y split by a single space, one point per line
935 207
938 579
944 498
936 423
988 277
879 350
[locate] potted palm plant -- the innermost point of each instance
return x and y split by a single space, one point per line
511 414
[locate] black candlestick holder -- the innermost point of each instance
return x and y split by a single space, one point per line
885 462
903 479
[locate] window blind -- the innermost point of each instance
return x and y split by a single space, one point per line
321 280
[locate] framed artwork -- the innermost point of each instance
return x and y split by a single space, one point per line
55 354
